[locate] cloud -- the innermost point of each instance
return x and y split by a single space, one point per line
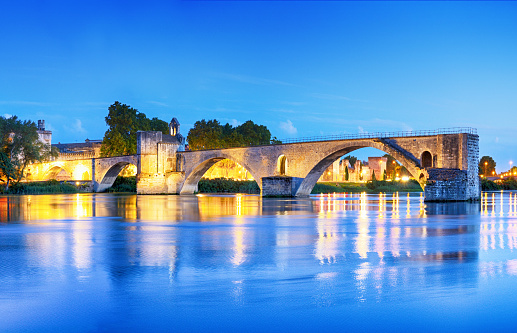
235 122
288 127
76 127
27 103
7 115
253 80
497 139
158 103
283 110
294 103
331 97
361 130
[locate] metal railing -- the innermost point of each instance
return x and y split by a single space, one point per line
365 135
380 135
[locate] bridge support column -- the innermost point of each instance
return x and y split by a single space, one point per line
450 185
280 186
156 160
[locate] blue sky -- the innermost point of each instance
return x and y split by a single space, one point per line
300 68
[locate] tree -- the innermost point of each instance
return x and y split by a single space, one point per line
373 175
486 166
275 141
19 147
346 172
391 164
384 175
254 134
124 121
351 160
211 135
206 135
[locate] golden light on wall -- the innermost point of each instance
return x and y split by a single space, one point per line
81 172
228 169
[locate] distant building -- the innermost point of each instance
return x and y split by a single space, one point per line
43 135
79 150
360 171
174 130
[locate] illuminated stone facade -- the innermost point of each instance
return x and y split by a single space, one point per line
163 168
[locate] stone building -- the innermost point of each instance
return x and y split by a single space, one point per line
360 171
44 135
79 150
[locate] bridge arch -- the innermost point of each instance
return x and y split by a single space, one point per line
111 175
108 168
281 165
193 175
329 156
426 160
55 170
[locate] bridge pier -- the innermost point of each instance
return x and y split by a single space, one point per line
280 186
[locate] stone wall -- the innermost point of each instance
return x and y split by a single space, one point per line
162 169
156 155
280 186
446 185
472 161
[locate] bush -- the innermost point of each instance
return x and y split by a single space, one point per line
376 186
327 188
507 184
224 185
488 185
123 184
47 187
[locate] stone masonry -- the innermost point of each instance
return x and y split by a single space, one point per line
289 169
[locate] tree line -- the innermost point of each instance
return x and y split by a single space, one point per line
19 147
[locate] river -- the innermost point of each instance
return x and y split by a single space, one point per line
342 262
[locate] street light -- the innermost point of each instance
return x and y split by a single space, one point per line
486 163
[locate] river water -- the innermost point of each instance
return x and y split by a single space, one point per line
352 262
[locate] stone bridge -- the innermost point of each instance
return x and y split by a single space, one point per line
445 163
104 170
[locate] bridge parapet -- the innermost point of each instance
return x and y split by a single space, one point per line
291 169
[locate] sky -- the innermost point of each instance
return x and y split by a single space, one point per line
301 68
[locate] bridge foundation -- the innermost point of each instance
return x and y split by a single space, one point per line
280 186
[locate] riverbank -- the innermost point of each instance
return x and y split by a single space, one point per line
46 187
223 185
369 187
508 184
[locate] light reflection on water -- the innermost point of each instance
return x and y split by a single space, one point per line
139 262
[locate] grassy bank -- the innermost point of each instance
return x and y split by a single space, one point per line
124 185
223 185
47 187
370 187
508 184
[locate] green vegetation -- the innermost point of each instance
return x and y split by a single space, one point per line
224 185
486 166
124 121
48 187
211 134
507 184
123 184
19 147
369 187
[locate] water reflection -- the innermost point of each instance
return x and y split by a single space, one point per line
333 248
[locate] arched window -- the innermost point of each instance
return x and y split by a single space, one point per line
282 165
427 160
